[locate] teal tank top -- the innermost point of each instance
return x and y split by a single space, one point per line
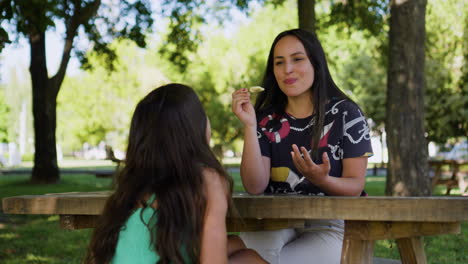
134 244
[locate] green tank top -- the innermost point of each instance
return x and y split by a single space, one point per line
134 244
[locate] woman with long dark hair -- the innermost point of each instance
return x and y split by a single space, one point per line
305 137
172 195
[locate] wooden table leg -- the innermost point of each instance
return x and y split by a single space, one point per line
358 243
437 175
411 250
357 251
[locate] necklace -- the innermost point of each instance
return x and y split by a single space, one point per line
311 123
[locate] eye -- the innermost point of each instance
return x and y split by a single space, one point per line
298 59
278 62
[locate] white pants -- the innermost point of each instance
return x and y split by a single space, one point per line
319 242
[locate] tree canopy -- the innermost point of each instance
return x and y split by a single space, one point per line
191 46
100 22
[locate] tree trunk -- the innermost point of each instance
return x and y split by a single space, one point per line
44 111
408 168
306 10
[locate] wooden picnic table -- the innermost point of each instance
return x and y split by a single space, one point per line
406 219
457 177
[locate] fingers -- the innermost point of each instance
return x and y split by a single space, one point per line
296 157
326 161
241 93
302 154
308 160
240 97
301 158
243 108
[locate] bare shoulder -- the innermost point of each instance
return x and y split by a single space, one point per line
214 183
213 179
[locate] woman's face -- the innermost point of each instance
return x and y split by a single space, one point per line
292 68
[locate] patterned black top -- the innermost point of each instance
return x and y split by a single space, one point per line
345 135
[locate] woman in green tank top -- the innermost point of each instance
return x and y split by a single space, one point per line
172 195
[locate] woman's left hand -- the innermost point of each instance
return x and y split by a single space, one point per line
315 173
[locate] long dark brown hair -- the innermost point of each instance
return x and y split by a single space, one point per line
167 151
323 87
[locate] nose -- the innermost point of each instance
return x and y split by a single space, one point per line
288 67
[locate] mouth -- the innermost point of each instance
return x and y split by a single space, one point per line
290 81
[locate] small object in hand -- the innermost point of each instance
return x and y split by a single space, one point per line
256 89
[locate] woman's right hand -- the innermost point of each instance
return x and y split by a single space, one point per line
243 108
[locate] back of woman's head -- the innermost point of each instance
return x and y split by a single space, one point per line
167 150
168 130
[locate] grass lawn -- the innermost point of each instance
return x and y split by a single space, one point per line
38 239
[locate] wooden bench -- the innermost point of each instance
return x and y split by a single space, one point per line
406 219
110 156
456 178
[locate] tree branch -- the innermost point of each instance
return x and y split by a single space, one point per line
80 16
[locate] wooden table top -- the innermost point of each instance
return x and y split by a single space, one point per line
372 208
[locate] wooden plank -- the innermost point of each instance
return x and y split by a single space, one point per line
372 230
247 225
233 225
411 250
425 209
357 251
52 204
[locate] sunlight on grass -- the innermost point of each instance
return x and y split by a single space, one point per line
8 236
375 179
33 258
53 218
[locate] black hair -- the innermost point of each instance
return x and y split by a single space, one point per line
323 87
166 154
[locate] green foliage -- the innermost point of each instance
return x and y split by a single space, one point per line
367 15
187 17
97 106
446 66
223 64
356 65
101 22
355 36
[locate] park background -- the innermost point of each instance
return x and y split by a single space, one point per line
222 46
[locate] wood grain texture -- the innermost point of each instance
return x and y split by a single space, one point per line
422 209
357 251
412 250
372 230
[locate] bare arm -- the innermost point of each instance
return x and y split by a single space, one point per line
214 237
255 169
351 182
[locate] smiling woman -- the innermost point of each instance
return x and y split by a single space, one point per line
309 139
295 75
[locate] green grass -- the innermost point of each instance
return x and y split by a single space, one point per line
38 239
